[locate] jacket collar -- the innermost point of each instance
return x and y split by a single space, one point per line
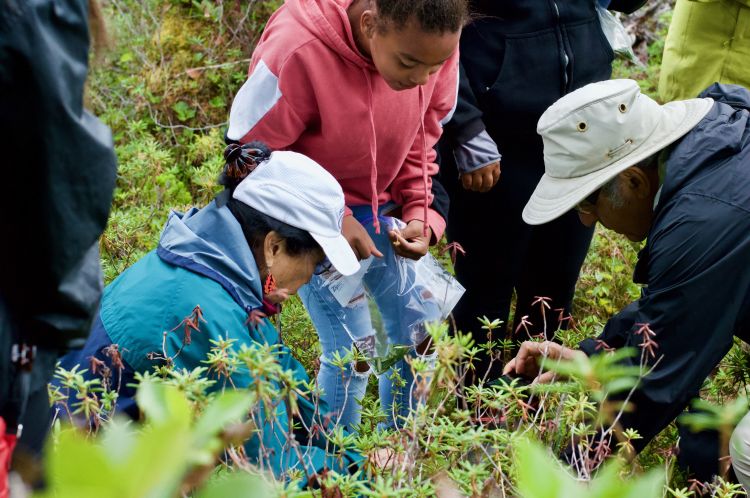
210 242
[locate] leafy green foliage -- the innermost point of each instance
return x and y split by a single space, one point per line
153 460
714 417
647 73
165 88
477 448
559 483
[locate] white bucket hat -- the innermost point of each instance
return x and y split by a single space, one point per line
596 132
294 189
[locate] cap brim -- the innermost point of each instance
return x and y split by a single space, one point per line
553 197
339 253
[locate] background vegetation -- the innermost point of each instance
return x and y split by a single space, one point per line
165 86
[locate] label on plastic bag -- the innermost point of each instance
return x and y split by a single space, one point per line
344 288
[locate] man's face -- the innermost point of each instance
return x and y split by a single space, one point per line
628 209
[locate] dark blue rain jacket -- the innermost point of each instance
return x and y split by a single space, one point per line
695 265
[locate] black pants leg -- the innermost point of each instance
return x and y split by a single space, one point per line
699 452
551 265
504 254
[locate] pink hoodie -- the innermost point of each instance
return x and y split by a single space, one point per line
311 91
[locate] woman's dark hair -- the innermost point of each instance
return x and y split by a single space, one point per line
241 161
434 16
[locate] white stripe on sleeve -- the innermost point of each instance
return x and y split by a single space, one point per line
449 116
256 97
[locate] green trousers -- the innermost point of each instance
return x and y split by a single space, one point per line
708 41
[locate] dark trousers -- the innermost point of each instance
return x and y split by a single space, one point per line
699 452
504 254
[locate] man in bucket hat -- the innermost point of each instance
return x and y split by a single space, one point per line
677 175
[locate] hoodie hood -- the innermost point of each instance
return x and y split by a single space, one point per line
210 242
329 22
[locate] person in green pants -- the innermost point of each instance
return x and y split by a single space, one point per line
708 41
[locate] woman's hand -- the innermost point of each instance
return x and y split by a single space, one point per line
277 296
526 362
413 241
359 239
482 179
317 481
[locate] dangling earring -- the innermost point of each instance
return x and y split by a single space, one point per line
270 286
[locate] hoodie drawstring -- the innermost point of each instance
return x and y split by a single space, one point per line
425 178
373 156
374 152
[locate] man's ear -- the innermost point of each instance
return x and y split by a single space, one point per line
636 182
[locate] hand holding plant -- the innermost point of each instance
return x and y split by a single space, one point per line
531 354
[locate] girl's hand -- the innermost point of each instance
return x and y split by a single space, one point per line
526 363
359 239
482 179
413 241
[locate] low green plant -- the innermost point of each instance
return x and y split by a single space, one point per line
165 89
173 452
557 482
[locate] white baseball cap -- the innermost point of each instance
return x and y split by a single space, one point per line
596 132
294 189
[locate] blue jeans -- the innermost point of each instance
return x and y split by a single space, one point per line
404 307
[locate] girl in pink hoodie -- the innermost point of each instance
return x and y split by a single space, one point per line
362 87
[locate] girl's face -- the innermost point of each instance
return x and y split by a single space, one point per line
406 57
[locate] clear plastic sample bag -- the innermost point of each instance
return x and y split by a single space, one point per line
401 296
618 37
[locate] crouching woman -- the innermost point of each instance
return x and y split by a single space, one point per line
218 274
